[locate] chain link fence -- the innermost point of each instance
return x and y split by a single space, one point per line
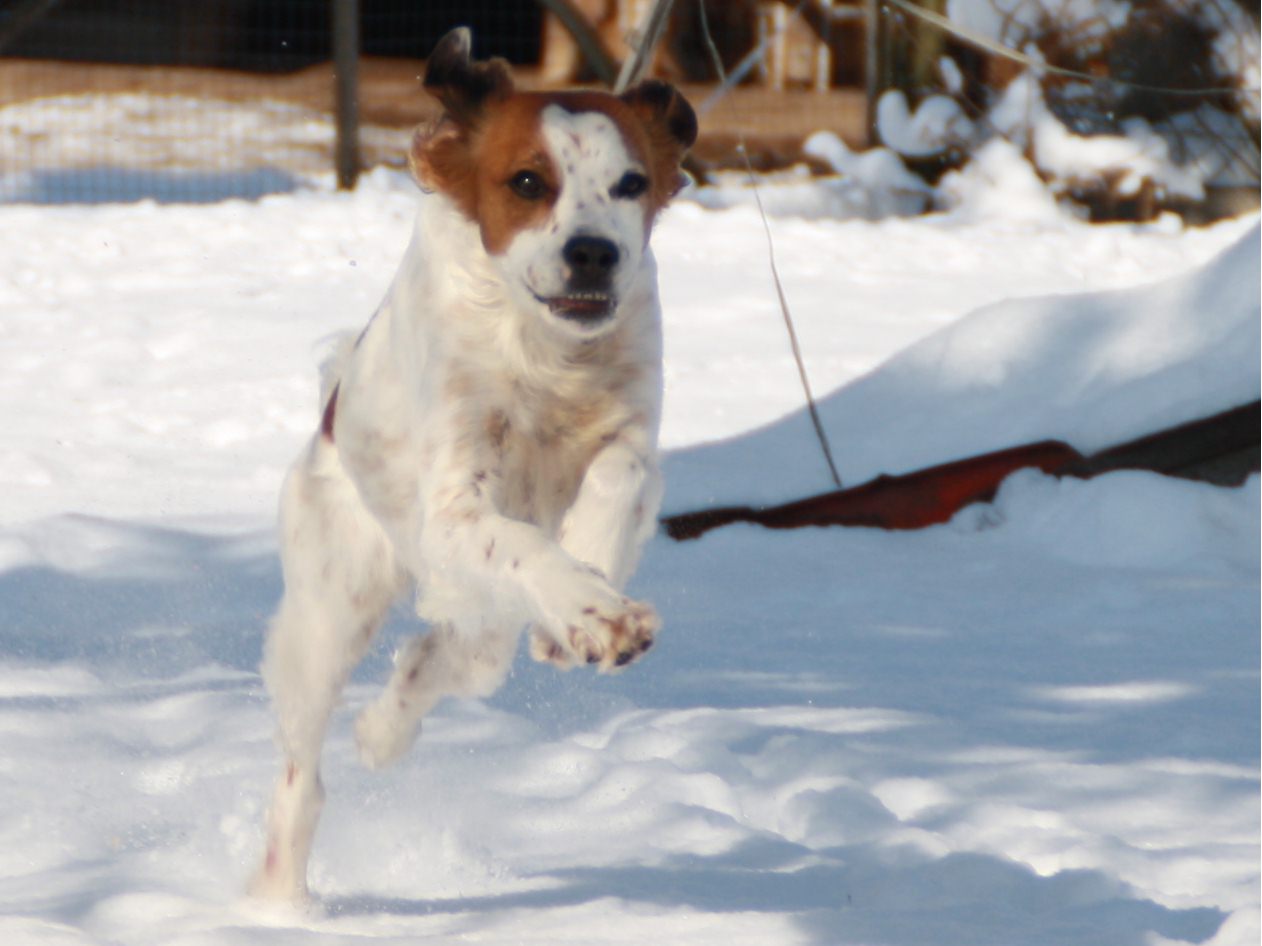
198 100
204 99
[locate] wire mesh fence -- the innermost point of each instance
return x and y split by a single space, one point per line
203 99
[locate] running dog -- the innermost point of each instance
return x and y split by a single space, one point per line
489 439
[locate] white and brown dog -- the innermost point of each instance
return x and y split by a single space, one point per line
490 438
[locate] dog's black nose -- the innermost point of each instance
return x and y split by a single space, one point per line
591 260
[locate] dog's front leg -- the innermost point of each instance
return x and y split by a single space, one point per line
612 517
478 557
615 511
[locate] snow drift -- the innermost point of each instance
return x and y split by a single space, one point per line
1093 370
1035 725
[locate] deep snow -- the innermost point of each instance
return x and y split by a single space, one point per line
1036 725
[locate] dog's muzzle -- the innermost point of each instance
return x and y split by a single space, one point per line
589 290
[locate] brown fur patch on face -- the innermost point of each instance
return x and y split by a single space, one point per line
474 158
510 143
475 162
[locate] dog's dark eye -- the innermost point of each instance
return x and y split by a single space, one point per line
528 185
632 185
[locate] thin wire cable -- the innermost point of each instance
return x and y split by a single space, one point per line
775 272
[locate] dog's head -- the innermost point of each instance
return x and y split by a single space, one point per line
564 187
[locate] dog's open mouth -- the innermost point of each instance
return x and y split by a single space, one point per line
581 306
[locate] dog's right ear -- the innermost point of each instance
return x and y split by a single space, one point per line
463 86
439 156
672 126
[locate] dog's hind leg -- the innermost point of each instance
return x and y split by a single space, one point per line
340 578
445 662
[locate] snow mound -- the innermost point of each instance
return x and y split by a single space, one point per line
1036 725
871 185
1094 370
936 124
1109 521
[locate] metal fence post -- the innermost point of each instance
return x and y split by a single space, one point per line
346 84
874 66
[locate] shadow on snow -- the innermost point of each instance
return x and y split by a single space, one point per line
859 897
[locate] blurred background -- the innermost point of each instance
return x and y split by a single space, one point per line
1126 108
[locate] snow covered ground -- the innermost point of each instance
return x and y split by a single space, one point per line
1035 725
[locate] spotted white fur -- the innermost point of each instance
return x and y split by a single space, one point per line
591 155
479 448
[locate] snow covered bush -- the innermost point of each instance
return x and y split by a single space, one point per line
1124 107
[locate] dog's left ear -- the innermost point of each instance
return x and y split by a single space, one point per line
669 120
439 156
464 87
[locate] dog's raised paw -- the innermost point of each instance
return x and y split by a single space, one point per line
612 638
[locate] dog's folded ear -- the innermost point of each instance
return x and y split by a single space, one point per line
670 122
439 155
463 86
664 111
